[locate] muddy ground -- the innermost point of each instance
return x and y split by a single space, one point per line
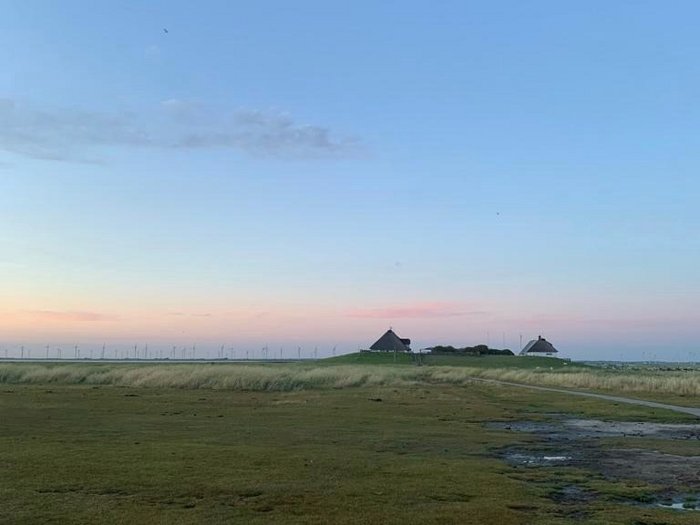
584 444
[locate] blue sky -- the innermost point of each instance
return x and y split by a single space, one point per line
311 173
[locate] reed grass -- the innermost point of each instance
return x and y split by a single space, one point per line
279 378
292 377
683 383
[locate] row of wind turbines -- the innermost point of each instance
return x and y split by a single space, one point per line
144 353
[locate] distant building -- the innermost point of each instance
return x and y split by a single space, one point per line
390 342
539 347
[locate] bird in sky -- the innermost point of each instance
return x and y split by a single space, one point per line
165 31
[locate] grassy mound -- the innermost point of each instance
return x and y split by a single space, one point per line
369 358
486 361
498 361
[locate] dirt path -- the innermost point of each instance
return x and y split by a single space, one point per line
652 404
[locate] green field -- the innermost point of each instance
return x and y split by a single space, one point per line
302 444
486 361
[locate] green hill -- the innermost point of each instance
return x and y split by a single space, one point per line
497 361
487 361
370 358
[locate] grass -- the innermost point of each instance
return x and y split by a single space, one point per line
679 386
486 361
101 453
501 361
240 377
369 358
682 387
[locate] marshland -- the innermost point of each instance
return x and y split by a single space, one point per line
353 371
355 438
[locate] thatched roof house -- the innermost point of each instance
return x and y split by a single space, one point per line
540 347
390 342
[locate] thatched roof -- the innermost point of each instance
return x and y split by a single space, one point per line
390 342
538 346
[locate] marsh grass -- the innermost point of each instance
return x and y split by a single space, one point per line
294 377
273 378
80 453
683 383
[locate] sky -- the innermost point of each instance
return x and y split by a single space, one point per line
310 173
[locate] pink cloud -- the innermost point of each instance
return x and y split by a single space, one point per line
69 316
183 314
415 311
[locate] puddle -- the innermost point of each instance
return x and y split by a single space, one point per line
573 442
614 463
576 443
678 506
684 503
535 459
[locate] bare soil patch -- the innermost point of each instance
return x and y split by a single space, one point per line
579 443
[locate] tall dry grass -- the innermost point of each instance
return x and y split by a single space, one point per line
686 383
283 378
207 376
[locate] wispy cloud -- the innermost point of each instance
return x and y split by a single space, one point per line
63 134
77 135
183 314
416 310
68 316
270 134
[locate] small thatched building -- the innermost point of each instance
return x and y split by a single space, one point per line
390 342
539 347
